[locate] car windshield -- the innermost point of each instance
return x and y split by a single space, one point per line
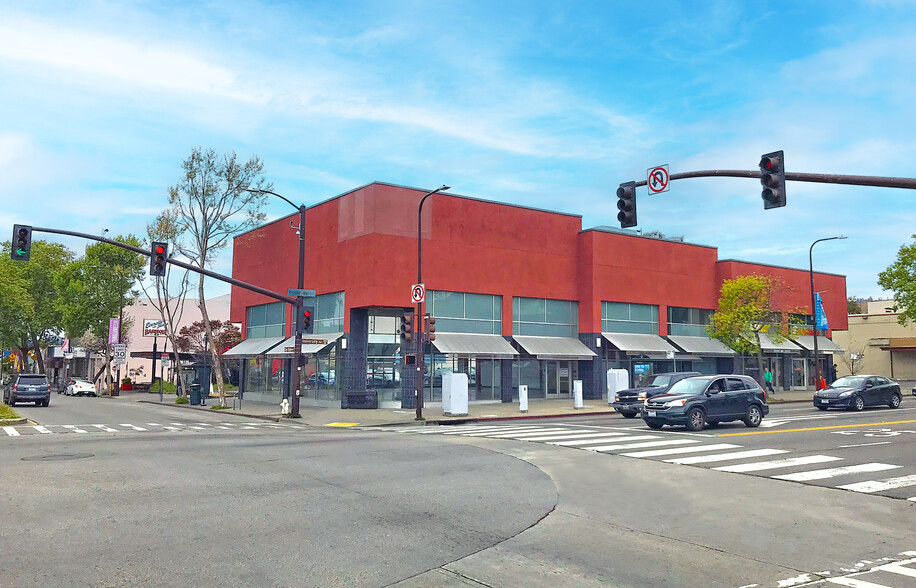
660 380
689 386
848 382
33 380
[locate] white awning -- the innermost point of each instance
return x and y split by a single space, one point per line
823 343
702 346
561 348
310 344
474 344
252 347
787 346
639 343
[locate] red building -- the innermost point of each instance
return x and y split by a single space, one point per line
521 296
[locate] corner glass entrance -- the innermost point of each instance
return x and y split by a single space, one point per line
558 377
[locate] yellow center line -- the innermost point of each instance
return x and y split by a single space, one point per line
342 425
815 428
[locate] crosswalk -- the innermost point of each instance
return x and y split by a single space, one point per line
896 574
698 451
26 430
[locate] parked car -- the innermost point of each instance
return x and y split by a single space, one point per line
857 392
629 402
79 386
708 400
28 388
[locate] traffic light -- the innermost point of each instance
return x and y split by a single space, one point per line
158 254
626 204
21 247
430 328
773 179
305 315
407 327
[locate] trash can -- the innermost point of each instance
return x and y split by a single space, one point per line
194 390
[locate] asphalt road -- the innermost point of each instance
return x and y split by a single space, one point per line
208 499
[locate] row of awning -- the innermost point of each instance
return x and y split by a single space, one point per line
558 348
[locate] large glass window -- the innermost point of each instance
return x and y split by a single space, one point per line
545 317
266 320
329 313
688 321
459 312
626 317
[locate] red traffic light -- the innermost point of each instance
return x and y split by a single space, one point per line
307 313
159 249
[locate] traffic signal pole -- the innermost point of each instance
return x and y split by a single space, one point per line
878 181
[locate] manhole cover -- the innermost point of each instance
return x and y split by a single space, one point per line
58 457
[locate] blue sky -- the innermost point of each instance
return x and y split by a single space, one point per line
545 104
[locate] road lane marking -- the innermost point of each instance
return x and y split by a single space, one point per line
528 433
494 430
573 435
11 431
105 428
726 456
777 463
578 442
626 446
834 472
42 430
154 424
134 427
696 449
881 485
75 428
854 583
815 428
865 444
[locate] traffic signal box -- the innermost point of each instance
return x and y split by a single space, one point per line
430 328
304 320
407 329
157 258
626 204
21 245
773 180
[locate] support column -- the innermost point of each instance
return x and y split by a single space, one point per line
354 356
506 393
594 378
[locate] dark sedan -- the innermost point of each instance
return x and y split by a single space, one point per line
857 392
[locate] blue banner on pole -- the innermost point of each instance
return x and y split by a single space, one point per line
820 316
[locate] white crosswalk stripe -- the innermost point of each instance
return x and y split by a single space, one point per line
626 446
74 428
527 433
42 430
105 428
834 472
485 433
583 442
726 456
880 574
881 485
134 427
11 431
563 437
696 449
777 464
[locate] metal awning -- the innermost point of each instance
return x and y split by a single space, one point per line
252 347
639 343
310 344
702 346
823 343
561 348
474 344
787 346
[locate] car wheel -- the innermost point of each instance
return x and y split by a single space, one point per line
655 425
696 419
821 407
858 403
46 402
628 415
895 401
754 416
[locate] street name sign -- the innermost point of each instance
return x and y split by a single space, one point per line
300 292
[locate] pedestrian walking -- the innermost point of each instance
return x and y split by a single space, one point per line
768 379
821 382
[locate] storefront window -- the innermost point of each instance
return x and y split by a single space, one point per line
624 317
266 320
690 322
329 313
544 317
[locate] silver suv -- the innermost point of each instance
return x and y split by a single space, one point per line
28 388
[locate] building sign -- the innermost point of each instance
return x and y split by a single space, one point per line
154 328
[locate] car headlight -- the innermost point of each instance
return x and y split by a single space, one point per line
680 402
617 397
641 396
846 393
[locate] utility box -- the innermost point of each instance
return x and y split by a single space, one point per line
455 394
577 394
523 397
617 380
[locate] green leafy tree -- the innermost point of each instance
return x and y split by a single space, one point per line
211 204
853 306
900 278
744 311
95 288
28 298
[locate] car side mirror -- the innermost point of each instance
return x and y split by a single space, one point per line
869 385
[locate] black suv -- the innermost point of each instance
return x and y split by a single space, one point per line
629 402
28 388
701 400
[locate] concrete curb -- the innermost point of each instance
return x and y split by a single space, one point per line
262 417
12 422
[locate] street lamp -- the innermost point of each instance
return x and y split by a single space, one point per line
418 330
813 303
300 284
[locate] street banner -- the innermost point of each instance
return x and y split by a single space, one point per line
114 328
154 328
820 317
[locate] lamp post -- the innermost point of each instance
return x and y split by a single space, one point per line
418 331
813 303
300 284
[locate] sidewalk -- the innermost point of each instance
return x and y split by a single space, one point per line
319 416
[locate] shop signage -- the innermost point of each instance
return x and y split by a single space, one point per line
154 328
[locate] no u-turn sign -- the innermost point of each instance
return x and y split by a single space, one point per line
657 179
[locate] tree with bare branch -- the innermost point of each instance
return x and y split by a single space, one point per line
211 204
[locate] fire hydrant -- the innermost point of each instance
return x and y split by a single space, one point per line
284 407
